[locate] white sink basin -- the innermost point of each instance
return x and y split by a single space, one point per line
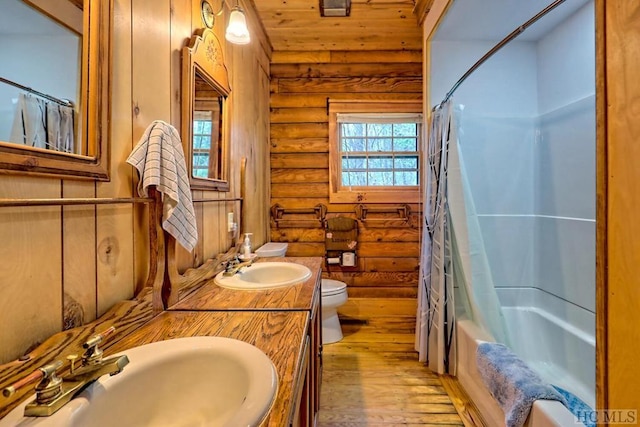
199 381
265 275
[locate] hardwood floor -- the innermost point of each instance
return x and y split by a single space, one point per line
373 378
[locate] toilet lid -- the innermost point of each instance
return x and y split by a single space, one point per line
332 287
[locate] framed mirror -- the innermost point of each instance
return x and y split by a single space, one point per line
205 89
55 87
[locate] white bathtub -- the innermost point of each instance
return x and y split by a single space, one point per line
562 354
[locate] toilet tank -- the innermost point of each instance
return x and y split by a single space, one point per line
272 249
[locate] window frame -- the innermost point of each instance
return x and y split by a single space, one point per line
370 194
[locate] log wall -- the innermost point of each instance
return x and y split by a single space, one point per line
386 276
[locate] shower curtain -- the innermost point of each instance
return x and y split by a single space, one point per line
43 124
452 253
434 325
472 272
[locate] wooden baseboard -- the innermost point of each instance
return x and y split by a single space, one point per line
468 411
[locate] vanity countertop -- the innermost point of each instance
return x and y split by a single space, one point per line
276 321
279 334
211 297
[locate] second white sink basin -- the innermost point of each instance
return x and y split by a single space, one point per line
198 381
265 275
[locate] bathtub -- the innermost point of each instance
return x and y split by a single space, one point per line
562 354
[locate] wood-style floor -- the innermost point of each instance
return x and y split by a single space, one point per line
373 378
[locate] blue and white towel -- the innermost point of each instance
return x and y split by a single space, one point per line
512 383
159 159
578 408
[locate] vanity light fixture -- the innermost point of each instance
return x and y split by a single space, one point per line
207 13
331 8
237 31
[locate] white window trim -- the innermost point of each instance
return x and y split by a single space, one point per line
342 194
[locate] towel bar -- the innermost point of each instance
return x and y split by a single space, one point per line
402 211
72 201
278 215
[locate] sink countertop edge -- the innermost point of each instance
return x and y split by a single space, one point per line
282 340
210 296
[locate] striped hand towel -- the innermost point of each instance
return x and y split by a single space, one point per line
159 159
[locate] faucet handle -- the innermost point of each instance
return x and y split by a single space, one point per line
232 263
93 354
49 384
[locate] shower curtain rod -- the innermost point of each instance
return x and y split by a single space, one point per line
515 33
64 102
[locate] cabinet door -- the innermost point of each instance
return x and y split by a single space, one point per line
315 335
302 395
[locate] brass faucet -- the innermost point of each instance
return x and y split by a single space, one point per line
234 266
53 392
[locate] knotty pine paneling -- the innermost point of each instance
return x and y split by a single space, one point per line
296 115
347 70
355 84
306 145
282 176
288 24
295 190
79 224
299 130
117 229
315 235
299 160
31 254
380 235
319 100
391 264
351 56
301 84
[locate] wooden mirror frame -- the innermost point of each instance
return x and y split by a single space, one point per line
203 54
96 110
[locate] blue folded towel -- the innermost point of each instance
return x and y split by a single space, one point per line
512 383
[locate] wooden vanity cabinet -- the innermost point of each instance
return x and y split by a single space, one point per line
301 409
303 298
315 357
308 400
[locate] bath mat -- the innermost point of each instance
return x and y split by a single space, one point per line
581 410
513 384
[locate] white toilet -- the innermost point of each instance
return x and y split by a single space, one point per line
272 249
334 294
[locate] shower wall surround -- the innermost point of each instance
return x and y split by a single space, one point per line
528 141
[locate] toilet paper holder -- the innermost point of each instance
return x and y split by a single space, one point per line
341 241
345 259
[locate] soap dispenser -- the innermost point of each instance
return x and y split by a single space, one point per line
246 246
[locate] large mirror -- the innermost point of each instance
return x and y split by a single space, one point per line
54 87
205 88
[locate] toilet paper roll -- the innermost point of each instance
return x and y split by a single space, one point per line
348 259
333 260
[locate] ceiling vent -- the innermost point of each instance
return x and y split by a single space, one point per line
335 7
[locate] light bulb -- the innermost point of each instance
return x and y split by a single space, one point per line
237 31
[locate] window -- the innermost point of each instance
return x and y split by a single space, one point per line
207 147
375 151
201 145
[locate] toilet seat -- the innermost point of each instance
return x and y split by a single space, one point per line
331 287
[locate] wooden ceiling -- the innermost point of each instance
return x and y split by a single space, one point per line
296 25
